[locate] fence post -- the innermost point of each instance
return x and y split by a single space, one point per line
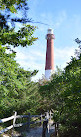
47 115
14 120
40 119
29 118
50 115
45 123
48 126
57 128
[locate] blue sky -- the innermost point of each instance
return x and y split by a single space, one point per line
64 17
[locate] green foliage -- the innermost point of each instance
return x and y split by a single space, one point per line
11 13
17 92
9 4
22 37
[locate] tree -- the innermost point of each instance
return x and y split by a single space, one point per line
11 13
17 91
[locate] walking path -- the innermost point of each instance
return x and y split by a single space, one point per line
37 132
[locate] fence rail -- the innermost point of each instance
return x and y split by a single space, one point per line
6 119
29 116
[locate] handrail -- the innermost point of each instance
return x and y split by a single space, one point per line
6 129
22 116
6 119
15 116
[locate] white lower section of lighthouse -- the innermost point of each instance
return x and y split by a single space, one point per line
48 74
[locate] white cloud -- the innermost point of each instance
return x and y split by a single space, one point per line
33 58
30 64
61 17
37 53
23 56
31 55
63 55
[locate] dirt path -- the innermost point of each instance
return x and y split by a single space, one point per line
35 132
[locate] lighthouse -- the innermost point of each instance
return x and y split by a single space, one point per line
49 65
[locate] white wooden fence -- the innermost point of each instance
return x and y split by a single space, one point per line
42 118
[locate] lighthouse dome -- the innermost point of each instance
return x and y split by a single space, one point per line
50 31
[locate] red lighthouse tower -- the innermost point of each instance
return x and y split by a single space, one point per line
49 66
